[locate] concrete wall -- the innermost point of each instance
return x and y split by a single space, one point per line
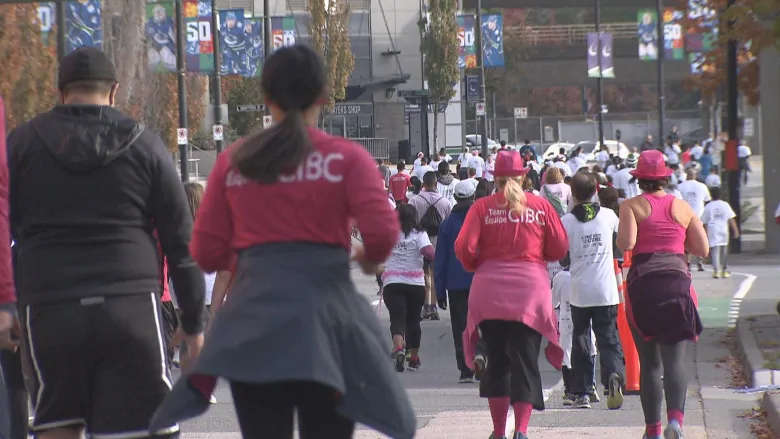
769 62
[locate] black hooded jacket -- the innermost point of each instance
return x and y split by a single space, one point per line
88 188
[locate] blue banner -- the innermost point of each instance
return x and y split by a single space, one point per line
240 43
83 23
493 40
161 37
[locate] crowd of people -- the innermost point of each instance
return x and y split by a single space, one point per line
259 264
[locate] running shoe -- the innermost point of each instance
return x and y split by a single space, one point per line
493 436
568 399
615 398
645 436
480 364
701 268
213 399
594 396
399 358
582 402
726 274
673 430
466 377
715 275
414 364
519 435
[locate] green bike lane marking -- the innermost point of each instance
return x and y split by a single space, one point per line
714 311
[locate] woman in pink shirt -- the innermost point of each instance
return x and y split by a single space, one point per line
660 305
506 240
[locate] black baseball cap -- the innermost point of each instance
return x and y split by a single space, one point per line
85 64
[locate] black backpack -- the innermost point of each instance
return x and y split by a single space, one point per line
432 219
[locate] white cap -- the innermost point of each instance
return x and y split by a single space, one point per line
464 189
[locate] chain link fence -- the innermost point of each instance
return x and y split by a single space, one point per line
634 127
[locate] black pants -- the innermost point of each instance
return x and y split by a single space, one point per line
11 365
266 410
512 363
404 303
459 310
97 363
604 322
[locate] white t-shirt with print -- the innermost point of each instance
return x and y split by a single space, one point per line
695 193
561 292
405 265
478 163
448 191
592 265
421 170
560 191
713 180
716 217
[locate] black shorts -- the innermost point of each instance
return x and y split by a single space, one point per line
98 363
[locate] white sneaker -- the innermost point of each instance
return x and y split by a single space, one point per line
213 400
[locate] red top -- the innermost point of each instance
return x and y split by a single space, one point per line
7 290
659 232
492 231
315 204
399 183
166 295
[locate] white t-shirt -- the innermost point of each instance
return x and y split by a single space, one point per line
463 159
478 163
602 158
435 164
575 164
405 265
696 152
447 191
672 154
743 151
695 193
592 265
420 171
417 162
447 158
712 180
564 168
489 168
622 180
716 217
561 292
559 191
611 170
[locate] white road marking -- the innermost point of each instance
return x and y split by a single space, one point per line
739 296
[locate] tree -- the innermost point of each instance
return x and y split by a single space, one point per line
752 35
329 32
439 46
28 86
238 90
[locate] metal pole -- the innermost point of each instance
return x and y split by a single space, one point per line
424 101
61 43
600 79
514 119
181 69
217 77
481 75
267 39
732 162
659 6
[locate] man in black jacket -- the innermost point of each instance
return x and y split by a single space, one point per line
89 186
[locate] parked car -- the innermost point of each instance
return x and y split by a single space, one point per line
693 137
590 149
475 140
552 151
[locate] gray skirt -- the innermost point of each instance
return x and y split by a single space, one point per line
293 314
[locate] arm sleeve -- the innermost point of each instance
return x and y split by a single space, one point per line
556 242
211 244
367 204
7 291
173 219
466 249
441 260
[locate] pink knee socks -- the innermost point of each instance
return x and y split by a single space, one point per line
522 416
499 408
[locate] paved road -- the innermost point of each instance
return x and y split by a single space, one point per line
446 409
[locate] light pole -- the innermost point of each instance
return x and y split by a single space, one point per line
481 124
600 79
732 160
659 8
217 77
181 71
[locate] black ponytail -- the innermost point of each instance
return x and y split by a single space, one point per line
294 81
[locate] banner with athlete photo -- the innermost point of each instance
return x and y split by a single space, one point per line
160 33
83 24
492 33
283 31
241 43
199 53
647 34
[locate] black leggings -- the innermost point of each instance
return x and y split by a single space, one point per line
266 410
11 363
657 360
404 302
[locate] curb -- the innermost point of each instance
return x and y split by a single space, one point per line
770 404
752 359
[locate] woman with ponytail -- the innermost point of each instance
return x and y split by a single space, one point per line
506 240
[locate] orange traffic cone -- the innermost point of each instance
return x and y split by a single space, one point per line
626 339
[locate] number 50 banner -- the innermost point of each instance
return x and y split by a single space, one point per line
161 36
200 41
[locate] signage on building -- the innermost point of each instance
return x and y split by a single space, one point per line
251 108
350 109
413 93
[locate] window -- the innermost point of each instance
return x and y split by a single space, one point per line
361 47
359 24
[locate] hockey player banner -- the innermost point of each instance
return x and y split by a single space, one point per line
647 34
241 43
161 37
492 41
283 31
200 43
83 23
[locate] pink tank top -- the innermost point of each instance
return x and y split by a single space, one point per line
660 233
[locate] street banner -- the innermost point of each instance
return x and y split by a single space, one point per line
593 55
160 37
607 63
673 35
283 31
600 63
492 28
647 33
199 54
240 43
83 24
493 40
